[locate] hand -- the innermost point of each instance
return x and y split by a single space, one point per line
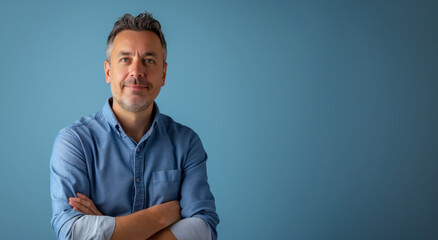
83 204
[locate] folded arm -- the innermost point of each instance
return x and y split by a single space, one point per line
189 228
95 226
69 174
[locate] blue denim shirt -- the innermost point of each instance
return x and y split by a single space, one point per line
94 156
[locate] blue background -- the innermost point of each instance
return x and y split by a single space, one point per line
319 117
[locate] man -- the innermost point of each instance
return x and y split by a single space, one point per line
130 172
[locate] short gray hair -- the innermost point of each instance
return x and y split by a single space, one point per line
143 22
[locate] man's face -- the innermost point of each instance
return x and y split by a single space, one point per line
136 72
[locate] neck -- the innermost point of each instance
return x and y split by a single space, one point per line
135 124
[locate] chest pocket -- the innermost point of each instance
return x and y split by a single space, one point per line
165 186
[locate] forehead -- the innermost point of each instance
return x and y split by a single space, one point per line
129 40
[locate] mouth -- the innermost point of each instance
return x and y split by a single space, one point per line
135 87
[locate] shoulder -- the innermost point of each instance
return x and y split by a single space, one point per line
180 134
85 126
173 127
184 140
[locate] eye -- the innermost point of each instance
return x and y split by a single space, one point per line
149 61
124 59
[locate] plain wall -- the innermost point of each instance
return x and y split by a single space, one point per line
319 117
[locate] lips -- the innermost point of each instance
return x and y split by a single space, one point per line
136 87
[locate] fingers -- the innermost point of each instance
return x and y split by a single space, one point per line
89 203
79 205
82 196
84 205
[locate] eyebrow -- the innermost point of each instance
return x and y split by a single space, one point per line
124 53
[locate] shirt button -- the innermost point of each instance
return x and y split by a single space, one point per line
138 149
137 180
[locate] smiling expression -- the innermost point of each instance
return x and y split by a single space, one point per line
137 70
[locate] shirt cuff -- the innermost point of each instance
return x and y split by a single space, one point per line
191 229
93 227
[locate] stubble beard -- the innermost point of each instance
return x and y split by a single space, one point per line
137 106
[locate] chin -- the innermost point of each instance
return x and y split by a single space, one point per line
134 105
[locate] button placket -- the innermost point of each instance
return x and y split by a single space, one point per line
139 197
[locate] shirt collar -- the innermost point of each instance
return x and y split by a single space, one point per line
108 113
156 114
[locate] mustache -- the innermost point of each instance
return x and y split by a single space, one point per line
136 81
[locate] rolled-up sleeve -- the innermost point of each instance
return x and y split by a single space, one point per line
191 229
93 227
196 198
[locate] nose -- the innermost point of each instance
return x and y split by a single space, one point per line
137 69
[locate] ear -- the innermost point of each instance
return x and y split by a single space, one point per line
164 74
107 71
